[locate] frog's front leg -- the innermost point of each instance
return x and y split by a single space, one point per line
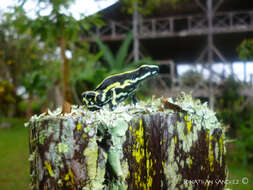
113 102
134 99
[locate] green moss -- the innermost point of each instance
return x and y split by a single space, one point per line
91 155
62 148
189 161
114 160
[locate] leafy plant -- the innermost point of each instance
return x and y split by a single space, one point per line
117 63
191 78
245 50
236 112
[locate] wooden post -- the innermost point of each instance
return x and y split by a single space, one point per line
245 72
210 50
113 28
154 146
251 79
135 32
189 23
171 21
153 26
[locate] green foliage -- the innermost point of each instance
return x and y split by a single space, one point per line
245 50
118 63
23 61
191 78
86 71
60 30
29 51
7 96
148 6
238 114
115 62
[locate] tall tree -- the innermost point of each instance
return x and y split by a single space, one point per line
60 30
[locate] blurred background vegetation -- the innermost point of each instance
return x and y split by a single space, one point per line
37 73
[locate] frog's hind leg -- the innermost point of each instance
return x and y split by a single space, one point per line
134 99
112 106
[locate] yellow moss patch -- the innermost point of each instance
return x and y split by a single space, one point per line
139 152
49 168
138 148
221 148
221 145
84 135
210 152
69 177
189 162
79 126
149 164
188 123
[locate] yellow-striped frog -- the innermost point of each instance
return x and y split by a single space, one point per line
116 88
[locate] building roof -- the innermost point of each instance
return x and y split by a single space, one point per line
118 11
186 47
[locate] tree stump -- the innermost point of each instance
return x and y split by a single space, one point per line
147 146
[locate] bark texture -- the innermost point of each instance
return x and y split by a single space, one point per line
135 148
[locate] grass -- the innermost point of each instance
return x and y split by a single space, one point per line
237 174
14 165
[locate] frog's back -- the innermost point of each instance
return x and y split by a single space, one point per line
114 79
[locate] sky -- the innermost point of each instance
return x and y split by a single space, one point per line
87 7
238 68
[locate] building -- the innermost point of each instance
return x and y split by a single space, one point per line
198 31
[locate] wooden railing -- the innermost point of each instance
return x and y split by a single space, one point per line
223 22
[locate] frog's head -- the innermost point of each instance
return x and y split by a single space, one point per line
91 100
146 71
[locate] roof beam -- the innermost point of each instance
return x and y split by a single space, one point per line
201 5
217 6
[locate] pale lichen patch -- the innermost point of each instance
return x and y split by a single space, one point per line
91 154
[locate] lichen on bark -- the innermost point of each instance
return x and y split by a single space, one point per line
146 146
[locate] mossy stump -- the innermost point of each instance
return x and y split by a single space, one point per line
141 147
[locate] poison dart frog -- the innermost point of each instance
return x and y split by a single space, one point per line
116 88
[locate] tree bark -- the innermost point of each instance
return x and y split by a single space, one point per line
134 148
66 71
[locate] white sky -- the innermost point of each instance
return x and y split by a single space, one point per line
238 68
85 7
